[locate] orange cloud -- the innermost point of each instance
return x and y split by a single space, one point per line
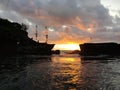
63 35
45 19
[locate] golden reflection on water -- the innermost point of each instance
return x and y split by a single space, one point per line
66 73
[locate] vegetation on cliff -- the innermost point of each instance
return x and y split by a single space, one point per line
12 33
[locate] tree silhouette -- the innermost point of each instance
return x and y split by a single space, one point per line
24 27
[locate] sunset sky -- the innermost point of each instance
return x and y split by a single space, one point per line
68 21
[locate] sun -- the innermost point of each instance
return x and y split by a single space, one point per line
66 47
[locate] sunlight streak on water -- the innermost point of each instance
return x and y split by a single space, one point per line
66 72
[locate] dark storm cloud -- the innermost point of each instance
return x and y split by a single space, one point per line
85 9
87 20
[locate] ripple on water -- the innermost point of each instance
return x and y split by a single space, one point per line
60 73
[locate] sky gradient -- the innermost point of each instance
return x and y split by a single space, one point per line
68 21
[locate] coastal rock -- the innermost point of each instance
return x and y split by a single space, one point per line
100 49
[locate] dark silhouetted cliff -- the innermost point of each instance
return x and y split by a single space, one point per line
14 39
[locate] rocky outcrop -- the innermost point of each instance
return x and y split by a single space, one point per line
100 49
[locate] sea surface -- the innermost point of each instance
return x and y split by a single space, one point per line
60 72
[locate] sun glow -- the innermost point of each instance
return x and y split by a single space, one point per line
66 47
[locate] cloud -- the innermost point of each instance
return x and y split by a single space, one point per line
86 20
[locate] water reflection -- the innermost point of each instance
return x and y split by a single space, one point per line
23 73
101 72
66 72
59 73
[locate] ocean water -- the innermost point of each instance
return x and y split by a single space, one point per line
60 72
